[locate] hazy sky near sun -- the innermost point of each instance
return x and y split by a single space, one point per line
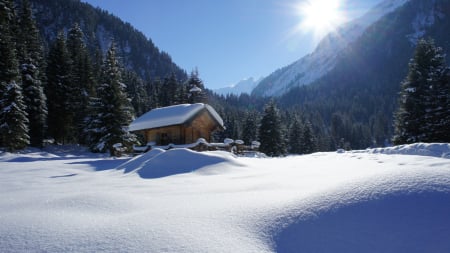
227 40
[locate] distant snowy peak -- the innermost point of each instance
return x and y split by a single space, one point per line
243 86
315 65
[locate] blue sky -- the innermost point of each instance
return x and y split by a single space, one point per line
227 40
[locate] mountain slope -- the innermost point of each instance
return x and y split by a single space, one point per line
138 53
363 87
324 58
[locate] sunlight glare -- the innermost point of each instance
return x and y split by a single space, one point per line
320 16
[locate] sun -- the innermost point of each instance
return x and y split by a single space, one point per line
320 16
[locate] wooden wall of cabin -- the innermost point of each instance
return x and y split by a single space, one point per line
166 135
200 127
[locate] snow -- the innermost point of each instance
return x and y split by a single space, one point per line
154 163
244 86
423 149
171 115
64 199
195 89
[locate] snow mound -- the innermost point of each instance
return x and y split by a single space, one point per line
159 163
441 150
140 161
400 213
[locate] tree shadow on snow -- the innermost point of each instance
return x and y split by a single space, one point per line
63 176
25 159
103 164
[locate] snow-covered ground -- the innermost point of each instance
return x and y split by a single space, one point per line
381 200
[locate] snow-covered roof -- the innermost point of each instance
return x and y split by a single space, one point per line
172 115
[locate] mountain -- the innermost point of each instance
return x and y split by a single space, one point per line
362 88
243 86
138 53
315 65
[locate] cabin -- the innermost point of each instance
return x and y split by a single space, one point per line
178 124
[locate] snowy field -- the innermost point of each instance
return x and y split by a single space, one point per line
380 200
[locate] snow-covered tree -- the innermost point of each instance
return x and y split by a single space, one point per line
301 137
168 93
81 77
438 108
308 139
58 91
115 111
196 89
250 128
154 90
93 128
271 132
30 53
422 115
137 92
8 56
296 137
13 118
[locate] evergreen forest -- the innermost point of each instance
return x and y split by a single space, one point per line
64 83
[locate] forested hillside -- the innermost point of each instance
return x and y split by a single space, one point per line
74 74
137 52
71 73
362 91
353 105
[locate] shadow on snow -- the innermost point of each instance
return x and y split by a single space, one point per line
406 222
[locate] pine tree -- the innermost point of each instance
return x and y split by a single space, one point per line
93 129
136 89
231 121
97 62
168 94
196 89
183 94
308 140
58 91
444 100
81 78
271 133
8 55
250 128
13 118
153 89
116 112
438 110
30 53
422 101
296 137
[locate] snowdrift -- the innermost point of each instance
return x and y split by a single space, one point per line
402 213
423 149
379 200
159 163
